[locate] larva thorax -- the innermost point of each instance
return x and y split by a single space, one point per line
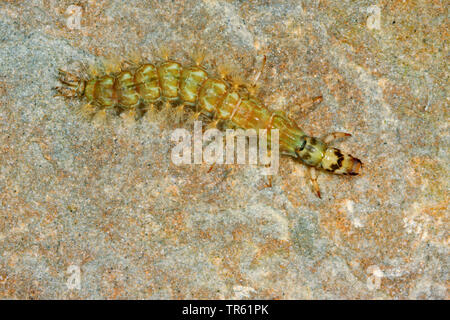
215 99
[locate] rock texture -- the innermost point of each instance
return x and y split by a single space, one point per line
108 205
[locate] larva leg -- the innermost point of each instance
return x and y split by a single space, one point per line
193 117
131 63
306 106
335 135
69 79
112 65
315 184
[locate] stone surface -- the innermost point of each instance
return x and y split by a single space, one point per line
109 203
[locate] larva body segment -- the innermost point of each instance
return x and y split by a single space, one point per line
105 93
216 99
169 79
191 81
147 83
126 91
211 95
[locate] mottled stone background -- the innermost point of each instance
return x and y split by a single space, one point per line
109 203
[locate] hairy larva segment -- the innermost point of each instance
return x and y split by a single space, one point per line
104 92
147 83
139 89
169 78
211 95
125 88
192 79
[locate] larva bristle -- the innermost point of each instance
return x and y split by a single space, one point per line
213 124
166 114
253 89
226 70
129 117
135 57
163 52
151 113
180 113
87 111
100 118
112 64
237 80
200 58
193 117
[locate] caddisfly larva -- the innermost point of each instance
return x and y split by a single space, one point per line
142 86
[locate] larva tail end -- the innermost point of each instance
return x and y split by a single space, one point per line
338 162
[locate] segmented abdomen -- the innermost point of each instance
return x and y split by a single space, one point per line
215 98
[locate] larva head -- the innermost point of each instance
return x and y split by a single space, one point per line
316 153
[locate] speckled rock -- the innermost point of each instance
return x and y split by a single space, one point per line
91 212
